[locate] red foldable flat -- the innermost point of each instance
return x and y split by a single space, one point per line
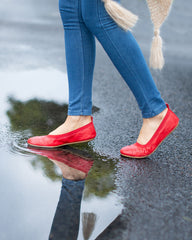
80 135
167 126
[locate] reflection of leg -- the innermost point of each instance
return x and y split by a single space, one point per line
68 172
66 220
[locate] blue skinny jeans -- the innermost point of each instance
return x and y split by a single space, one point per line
83 20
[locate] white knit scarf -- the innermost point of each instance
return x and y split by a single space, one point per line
159 10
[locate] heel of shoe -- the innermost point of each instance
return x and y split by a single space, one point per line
86 134
92 132
174 119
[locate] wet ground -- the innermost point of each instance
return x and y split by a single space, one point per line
88 191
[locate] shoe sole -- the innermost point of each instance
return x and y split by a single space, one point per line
154 150
51 147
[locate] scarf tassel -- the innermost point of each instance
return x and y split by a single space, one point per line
156 58
124 18
127 20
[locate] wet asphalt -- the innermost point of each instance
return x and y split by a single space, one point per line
156 192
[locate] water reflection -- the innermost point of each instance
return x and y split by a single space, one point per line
74 170
73 165
67 216
83 210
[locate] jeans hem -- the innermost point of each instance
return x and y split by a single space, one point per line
154 112
79 113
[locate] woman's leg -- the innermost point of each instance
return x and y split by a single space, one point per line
126 55
80 59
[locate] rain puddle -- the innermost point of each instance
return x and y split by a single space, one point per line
66 193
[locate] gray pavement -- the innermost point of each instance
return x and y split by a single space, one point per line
156 192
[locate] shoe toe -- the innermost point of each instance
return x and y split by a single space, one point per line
127 150
36 141
135 150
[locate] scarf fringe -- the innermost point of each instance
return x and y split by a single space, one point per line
156 59
159 10
124 18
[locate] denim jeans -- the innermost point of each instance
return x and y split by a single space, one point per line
83 20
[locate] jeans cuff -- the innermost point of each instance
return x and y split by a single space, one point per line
154 112
79 113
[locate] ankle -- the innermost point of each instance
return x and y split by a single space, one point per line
78 119
149 126
71 123
162 114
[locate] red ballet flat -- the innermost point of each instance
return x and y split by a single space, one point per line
80 135
167 126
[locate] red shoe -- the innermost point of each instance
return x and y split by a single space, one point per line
137 150
82 134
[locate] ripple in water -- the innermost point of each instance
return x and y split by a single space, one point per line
4 135
15 142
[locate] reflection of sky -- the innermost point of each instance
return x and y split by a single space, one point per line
106 210
28 200
47 84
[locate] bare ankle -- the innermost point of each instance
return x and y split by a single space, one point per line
71 123
149 126
79 118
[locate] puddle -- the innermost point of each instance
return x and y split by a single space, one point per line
82 182
87 187
84 216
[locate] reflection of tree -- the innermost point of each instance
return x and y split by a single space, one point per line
37 115
40 117
100 180
48 167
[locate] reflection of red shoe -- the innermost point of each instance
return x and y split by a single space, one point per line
82 134
65 156
137 150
